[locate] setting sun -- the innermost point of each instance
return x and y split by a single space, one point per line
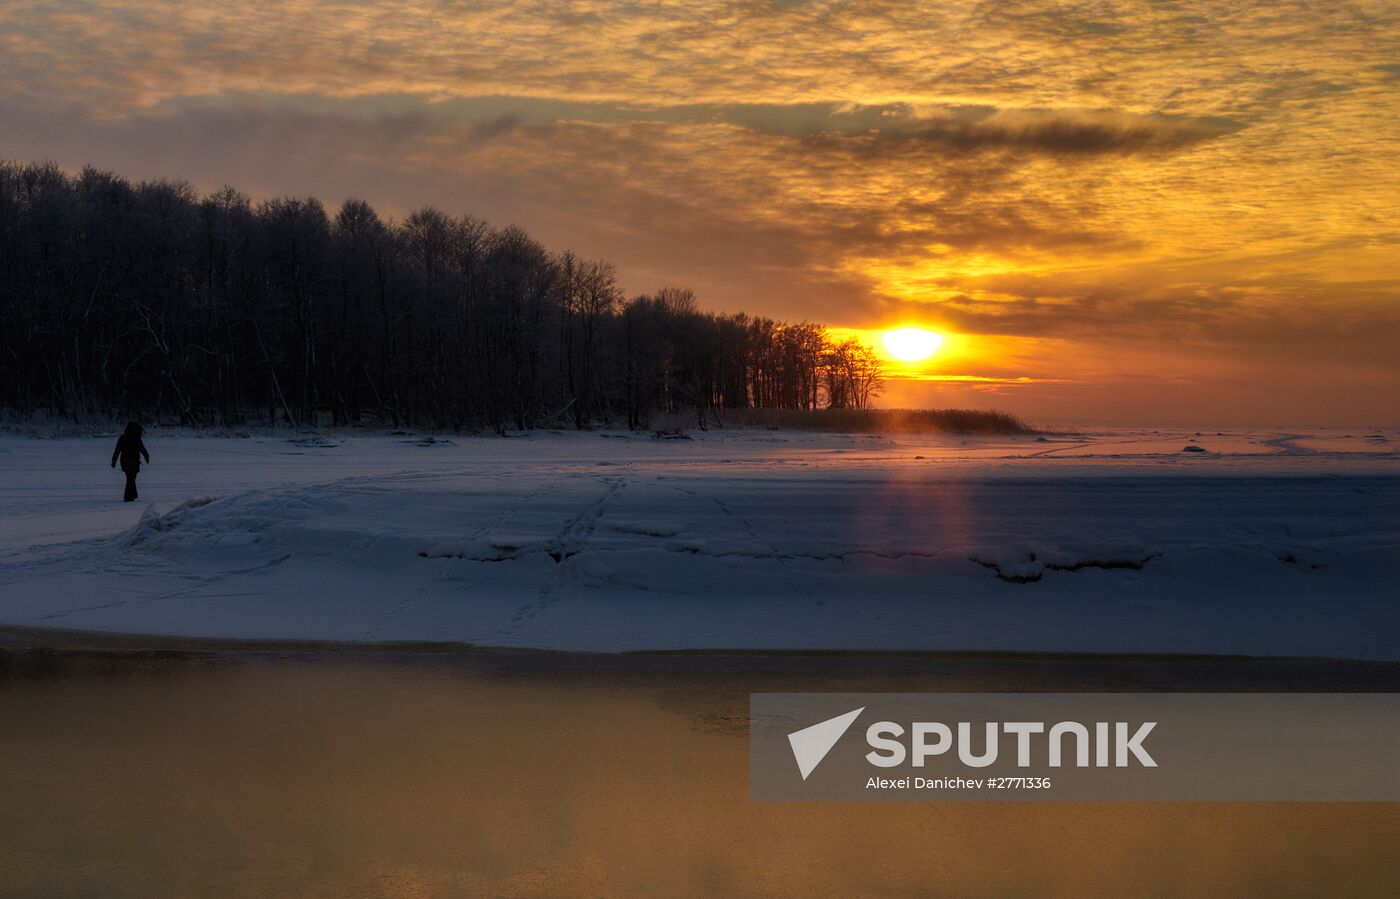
911 344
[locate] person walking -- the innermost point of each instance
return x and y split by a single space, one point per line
129 451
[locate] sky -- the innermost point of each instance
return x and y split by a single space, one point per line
1146 212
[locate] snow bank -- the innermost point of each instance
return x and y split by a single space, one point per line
1111 543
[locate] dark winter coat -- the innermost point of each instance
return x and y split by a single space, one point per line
130 449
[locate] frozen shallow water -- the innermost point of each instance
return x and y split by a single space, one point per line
1266 543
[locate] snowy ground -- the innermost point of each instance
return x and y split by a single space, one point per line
1265 543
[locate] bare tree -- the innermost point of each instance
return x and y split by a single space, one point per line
853 374
118 297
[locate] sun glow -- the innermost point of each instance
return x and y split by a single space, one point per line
911 344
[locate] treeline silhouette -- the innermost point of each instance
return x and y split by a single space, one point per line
129 298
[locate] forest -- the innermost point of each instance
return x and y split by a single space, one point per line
122 298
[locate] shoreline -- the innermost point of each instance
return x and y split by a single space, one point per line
40 652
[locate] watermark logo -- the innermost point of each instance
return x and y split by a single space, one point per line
1100 743
1098 747
934 738
811 744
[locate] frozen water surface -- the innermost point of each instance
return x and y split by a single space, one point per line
1266 543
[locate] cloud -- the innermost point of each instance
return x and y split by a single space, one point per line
1064 131
1051 131
1190 181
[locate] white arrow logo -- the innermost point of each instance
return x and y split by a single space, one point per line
811 744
